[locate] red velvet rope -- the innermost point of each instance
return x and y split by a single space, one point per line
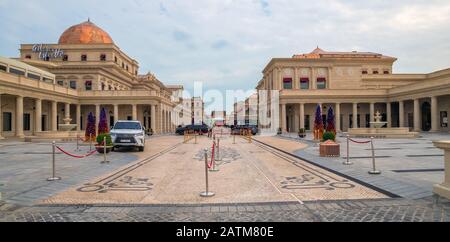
359 142
212 155
76 156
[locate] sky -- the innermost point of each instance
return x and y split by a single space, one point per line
226 43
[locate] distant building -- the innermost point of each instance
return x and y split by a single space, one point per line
192 111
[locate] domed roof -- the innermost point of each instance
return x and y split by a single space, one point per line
85 33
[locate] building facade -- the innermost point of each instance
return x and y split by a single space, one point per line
356 85
84 72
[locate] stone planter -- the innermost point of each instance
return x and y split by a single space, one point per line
330 148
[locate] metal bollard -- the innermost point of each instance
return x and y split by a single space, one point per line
218 158
206 193
374 171
214 168
347 162
104 151
90 142
54 177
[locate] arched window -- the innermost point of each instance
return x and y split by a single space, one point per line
83 57
102 57
287 83
304 83
321 83
65 58
103 86
88 85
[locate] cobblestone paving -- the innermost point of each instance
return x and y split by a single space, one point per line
384 210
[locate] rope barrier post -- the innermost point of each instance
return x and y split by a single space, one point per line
104 151
54 177
214 167
90 142
374 171
218 158
206 193
347 162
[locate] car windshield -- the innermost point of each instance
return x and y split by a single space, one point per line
127 125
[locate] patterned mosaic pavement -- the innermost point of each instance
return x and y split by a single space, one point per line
249 173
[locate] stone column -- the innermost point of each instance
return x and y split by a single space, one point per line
401 114
134 112
1 118
19 116
283 118
338 117
444 188
388 115
54 123
97 117
153 118
302 115
416 115
434 115
372 114
78 117
355 115
37 115
116 113
67 111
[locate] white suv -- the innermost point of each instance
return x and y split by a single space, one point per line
126 133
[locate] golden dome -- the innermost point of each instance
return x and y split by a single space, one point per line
85 33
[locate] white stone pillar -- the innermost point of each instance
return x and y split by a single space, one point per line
37 115
355 115
134 112
401 113
302 115
116 113
54 123
19 116
67 110
338 117
1 118
372 114
283 118
388 115
434 114
78 117
416 115
153 118
443 189
97 117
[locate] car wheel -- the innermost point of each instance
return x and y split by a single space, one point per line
141 149
112 149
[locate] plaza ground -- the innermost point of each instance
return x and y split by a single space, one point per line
270 179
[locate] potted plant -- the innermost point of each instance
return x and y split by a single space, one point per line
328 136
301 133
279 131
100 147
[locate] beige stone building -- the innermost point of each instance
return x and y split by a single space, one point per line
84 72
192 111
356 85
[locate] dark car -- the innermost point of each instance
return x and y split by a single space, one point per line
197 128
238 128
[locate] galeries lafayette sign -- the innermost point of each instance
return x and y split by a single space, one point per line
45 52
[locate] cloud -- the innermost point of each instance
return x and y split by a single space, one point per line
227 43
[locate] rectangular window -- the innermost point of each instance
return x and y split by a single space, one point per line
83 57
321 83
73 85
61 83
33 76
287 83
364 72
65 58
386 72
375 72
304 83
26 122
16 71
7 121
48 80
103 57
88 85
2 68
307 126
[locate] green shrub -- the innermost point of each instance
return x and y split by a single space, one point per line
328 136
100 138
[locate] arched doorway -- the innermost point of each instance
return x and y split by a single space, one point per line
426 116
